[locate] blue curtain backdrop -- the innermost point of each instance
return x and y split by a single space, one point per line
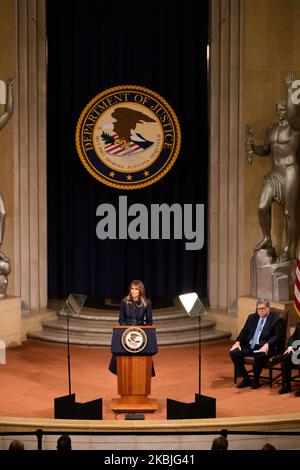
94 45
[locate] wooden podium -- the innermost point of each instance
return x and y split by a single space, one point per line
134 371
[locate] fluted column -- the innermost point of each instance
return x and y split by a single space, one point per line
30 208
226 153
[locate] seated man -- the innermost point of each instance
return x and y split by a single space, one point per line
287 362
260 334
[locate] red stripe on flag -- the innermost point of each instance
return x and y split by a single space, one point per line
135 149
297 289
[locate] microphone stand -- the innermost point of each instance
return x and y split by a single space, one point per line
203 406
68 347
199 313
65 407
69 310
199 353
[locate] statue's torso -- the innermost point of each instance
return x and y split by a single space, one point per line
284 142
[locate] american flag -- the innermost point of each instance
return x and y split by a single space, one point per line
297 288
116 149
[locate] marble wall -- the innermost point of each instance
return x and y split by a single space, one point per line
7 134
23 179
272 38
252 46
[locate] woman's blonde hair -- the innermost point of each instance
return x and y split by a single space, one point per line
142 293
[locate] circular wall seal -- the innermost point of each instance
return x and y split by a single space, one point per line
128 137
134 340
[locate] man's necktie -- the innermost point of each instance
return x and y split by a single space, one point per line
257 333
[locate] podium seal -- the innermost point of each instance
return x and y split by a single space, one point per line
128 137
134 340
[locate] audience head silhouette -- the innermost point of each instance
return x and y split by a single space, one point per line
268 447
220 443
64 443
16 445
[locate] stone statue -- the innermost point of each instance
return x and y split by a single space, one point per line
5 268
280 185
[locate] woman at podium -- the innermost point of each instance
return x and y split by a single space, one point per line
135 310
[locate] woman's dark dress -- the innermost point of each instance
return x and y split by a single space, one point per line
133 314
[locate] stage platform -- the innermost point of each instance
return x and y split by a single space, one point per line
36 373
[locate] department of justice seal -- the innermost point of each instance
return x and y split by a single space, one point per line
128 137
134 340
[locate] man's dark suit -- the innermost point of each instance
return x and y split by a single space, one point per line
287 358
271 334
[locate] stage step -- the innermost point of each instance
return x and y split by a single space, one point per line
93 328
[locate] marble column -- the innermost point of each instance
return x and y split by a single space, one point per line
226 176
30 182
